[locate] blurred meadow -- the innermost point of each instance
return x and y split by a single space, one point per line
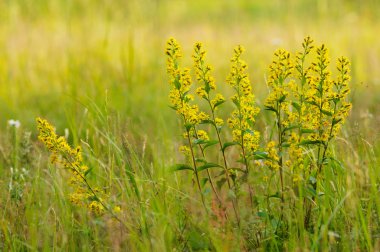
97 71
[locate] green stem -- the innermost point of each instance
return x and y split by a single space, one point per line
280 139
195 169
226 172
208 174
75 169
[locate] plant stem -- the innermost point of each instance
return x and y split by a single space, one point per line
210 178
280 139
195 169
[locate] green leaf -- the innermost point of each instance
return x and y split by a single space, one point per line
282 99
180 167
219 128
313 103
236 102
188 126
270 109
228 144
88 171
306 142
276 195
335 121
208 166
218 103
262 214
296 106
172 107
326 112
204 181
207 87
199 141
308 130
312 191
257 155
220 182
249 131
210 143
291 127
201 160
236 169
177 84
286 145
207 122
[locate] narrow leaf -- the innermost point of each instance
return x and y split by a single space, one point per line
228 144
291 127
201 160
335 121
308 130
270 109
218 103
296 106
306 142
88 171
199 141
326 112
208 166
210 143
180 167
220 182
207 122
260 155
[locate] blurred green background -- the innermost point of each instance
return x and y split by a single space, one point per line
57 57
97 68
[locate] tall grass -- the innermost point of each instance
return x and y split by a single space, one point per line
96 70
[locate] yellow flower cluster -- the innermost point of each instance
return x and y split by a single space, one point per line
202 70
327 98
202 135
203 75
309 105
272 160
309 109
180 81
219 121
296 158
243 117
279 70
218 99
71 159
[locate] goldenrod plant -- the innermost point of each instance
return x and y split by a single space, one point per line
243 117
214 101
62 154
309 108
180 82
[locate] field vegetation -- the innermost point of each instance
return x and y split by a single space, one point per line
158 125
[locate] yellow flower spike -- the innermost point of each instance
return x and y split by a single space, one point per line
71 159
201 134
243 117
272 161
96 208
219 121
